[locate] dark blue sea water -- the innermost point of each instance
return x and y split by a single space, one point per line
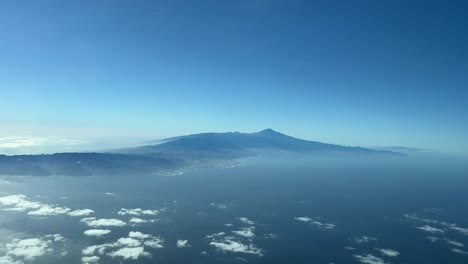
298 210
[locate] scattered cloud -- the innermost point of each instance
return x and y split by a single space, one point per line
127 242
420 219
389 252
94 249
246 232
136 220
231 245
304 219
454 243
19 202
454 227
130 247
364 239
182 243
89 260
430 229
137 212
241 244
451 226
130 253
220 206
94 222
49 210
110 194
245 220
307 219
323 225
20 250
369 259
81 212
433 210
459 251
432 239
97 232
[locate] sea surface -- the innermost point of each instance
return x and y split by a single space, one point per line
267 210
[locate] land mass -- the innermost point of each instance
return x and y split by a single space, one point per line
158 157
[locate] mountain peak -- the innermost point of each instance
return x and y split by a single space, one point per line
267 131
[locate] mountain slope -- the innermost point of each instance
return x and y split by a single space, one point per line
234 145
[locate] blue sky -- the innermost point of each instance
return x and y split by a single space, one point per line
369 73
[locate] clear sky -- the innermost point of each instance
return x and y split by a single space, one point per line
369 73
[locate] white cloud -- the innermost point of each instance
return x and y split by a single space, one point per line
154 242
220 206
137 212
182 243
56 237
323 225
216 235
369 259
93 222
240 244
19 250
88 260
459 251
307 219
461 230
430 229
110 194
49 210
304 219
136 220
246 232
389 252
454 243
432 239
127 242
81 212
417 218
231 245
245 220
364 239
19 202
28 248
138 235
129 253
96 232
9 260
91 250
130 247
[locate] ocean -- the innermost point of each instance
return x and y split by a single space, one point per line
267 210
